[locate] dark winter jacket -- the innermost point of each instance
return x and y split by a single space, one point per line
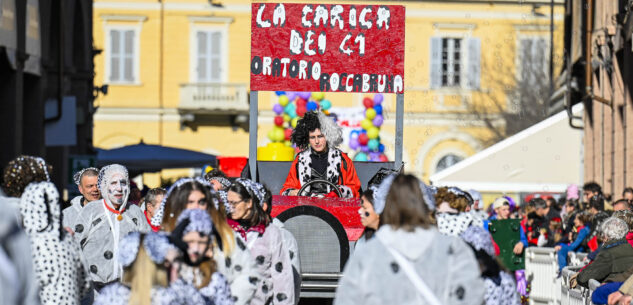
613 264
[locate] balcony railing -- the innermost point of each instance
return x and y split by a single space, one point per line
229 97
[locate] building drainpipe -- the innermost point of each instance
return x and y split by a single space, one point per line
60 65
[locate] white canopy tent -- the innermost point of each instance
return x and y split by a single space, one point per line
545 157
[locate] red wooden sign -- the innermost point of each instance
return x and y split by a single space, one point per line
327 47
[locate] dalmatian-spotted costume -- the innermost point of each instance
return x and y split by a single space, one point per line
59 269
237 265
271 256
76 204
100 226
217 292
329 163
500 287
156 246
70 213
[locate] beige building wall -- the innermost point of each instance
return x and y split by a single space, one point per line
437 122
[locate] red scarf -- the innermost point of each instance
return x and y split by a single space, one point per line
155 229
260 228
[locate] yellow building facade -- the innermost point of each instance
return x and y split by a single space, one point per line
178 75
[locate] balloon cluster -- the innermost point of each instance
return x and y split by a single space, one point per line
290 107
366 141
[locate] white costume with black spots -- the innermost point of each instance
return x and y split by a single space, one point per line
502 293
69 214
178 293
59 270
453 224
217 292
240 271
444 263
290 243
100 226
334 166
273 262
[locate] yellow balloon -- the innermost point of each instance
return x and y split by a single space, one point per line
294 122
286 118
366 124
288 143
317 96
283 100
279 135
370 113
271 135
372 132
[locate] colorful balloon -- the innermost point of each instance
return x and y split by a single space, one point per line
290 109
366 124
286 117
301 102
368 103
354 134
378 98
377 121
291 95
279 120
283 100
373 132
326 104
294 121
361 157
363 139
280 93
353 143
370 113
287 133
312 106
305 95
301 111
381 148
373 144
271 135
364 149
378 109
383 158
278 109
279 134
317 96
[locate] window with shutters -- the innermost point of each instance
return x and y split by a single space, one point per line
122 55
208 63
455 62
532 60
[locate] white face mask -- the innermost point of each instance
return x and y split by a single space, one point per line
117 189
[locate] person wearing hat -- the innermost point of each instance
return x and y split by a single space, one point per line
318 137
86 181
502 209
102 224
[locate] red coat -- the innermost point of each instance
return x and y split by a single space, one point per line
344 173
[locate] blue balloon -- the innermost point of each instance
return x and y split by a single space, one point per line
280 93
381 148
354 134
311 106
378 109
373 145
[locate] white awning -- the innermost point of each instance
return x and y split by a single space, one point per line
545 157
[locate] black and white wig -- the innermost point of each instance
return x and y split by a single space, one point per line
310 122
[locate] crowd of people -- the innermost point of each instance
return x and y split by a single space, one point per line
213 240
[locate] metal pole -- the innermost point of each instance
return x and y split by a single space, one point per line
252 135
399 128
551 47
